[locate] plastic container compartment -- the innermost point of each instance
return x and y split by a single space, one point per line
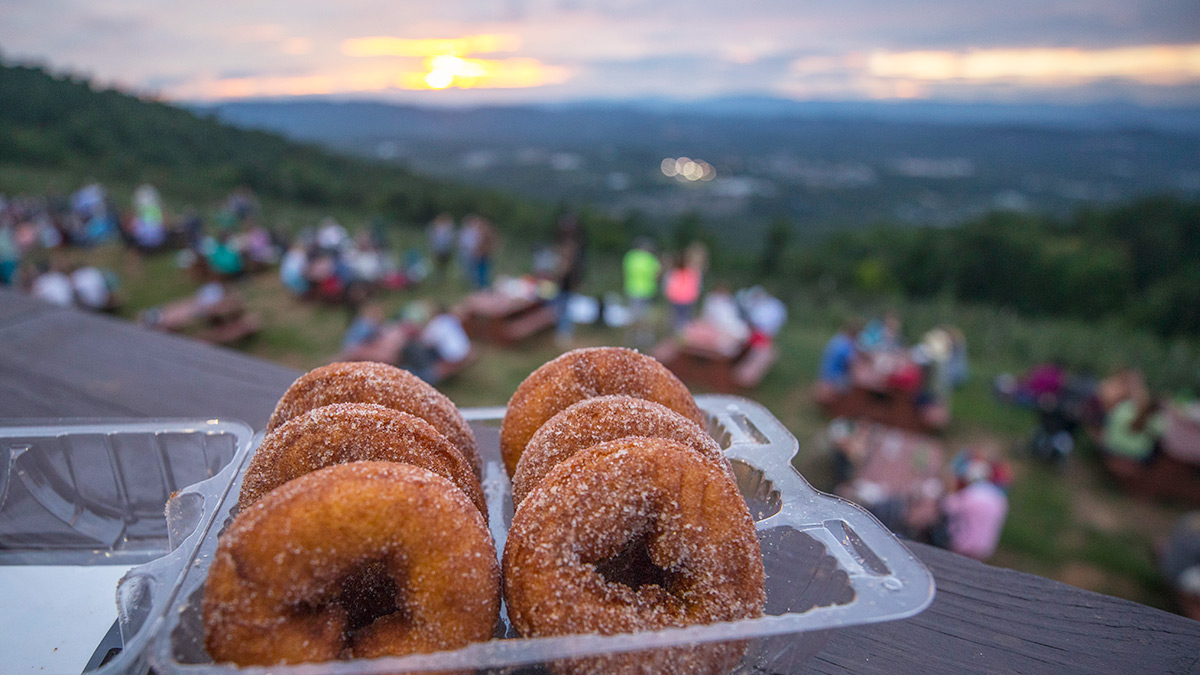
79 494
828 564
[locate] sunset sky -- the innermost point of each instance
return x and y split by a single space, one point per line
507 51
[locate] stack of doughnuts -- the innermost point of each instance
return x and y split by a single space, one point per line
361 531
627 514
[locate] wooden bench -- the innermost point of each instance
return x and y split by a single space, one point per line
225 321
232 330
446 370
1164 478
504 320
750 370
718 371
387 347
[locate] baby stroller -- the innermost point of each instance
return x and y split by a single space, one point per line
1059 417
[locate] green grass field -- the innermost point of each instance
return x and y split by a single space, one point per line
1071 525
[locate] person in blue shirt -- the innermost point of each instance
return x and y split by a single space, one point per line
835 360
834 372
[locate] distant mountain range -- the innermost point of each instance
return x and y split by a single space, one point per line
321 117
816 164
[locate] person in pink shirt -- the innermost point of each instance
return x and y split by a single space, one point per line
975 513
681 287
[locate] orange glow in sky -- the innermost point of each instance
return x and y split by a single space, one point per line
1153 64
390 63
446 62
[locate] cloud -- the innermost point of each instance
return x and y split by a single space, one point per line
424 48
1149 64
614 48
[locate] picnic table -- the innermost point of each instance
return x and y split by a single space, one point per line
219 320
57 362
893 467
503 318
880 391
718 369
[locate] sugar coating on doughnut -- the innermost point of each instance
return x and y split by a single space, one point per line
371 382
607 418
397 538
581 374
634 534
349 432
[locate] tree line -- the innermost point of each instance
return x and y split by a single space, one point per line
1139 262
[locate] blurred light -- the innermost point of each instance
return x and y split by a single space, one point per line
688 169
446 70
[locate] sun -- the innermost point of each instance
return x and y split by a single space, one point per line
449 70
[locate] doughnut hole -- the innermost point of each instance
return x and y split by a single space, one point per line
633 567
369 592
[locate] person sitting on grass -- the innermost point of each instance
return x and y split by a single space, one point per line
834 374
364 328
720 328
1179 563
440 348
974 513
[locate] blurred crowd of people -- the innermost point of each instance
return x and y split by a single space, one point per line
35 231
717 320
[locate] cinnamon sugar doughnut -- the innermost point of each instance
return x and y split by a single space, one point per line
607 418
584 373
354 560
370 382
630 535
351 432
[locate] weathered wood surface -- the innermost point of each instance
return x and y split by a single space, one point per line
63 363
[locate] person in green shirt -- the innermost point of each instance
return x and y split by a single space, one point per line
641 271
1134 427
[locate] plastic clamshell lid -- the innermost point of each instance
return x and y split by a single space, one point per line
92 493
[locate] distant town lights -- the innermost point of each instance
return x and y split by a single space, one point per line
686 169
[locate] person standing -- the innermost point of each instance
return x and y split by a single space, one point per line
569 248
441 242
485 250
641 270
681 287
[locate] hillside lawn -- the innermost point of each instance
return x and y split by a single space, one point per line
1072 525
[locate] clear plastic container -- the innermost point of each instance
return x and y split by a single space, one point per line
78 496
828 563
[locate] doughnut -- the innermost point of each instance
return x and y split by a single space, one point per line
607 418
584 373
631 535
351 432
355 560
370 382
